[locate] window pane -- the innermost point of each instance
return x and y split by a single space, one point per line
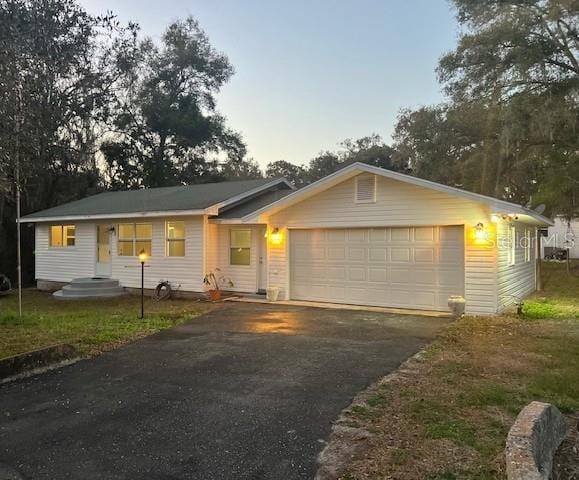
125 248
56 236
126 231
70 235
143 245
175 229
240 256
144 231
176 248
241 238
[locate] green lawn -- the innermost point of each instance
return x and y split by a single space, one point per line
450 419
89 325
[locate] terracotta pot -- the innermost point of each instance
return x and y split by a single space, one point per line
215 295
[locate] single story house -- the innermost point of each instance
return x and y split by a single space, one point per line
362 235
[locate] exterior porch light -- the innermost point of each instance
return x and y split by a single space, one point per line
480 233
142 260
276 236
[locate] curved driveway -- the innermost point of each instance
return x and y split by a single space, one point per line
246 391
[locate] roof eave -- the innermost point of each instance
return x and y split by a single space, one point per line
112 216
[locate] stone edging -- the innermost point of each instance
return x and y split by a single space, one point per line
34 360
345 440
533 440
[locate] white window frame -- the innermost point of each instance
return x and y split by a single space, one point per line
175 239
232 246
528 246
511 245
135 239
64 238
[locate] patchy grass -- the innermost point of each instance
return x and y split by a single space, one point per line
89 325
450 419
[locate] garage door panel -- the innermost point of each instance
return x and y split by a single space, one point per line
408 267
336 253
357 274
398 254
377 235
378 255
357 254
424 234
400 234
424 255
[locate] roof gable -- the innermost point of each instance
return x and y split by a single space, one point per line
496 205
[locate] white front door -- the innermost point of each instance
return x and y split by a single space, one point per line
410 267
262 262
103 265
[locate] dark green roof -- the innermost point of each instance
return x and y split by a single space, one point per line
185 197
255 203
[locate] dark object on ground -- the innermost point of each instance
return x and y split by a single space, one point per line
5 285
555 253
246 391
163 291
43 357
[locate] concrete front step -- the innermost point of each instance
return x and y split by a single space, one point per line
94 283
90 288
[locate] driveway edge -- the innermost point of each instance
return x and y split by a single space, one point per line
346 441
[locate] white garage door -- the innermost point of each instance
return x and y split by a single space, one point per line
414 267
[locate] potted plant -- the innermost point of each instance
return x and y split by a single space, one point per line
214 280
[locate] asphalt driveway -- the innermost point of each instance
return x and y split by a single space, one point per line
244 392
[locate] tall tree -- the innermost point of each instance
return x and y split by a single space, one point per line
57 84
166 121
510 124
296 174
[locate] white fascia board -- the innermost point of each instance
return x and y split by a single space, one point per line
108 216
356 168
230 221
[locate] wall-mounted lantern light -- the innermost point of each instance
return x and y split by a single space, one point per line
276 237
481 233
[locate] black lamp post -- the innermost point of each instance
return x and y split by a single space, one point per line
142 259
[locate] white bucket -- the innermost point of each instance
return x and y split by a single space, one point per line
271 293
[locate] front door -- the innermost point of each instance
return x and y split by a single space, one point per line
262 262
103 257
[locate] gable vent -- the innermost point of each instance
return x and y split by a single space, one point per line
365 188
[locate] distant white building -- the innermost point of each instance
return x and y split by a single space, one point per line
564 234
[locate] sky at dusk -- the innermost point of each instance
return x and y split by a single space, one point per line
310 74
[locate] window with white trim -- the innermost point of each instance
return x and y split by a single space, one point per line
175 239
240 246
62 236
365 189
528 246
511 245
134 237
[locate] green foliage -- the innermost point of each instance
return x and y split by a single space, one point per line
166 119
370 150
509 128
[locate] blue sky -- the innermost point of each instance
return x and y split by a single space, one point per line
312 73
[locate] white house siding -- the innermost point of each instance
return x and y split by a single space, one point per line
243 277
184 273
62 264
397 204
518 280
